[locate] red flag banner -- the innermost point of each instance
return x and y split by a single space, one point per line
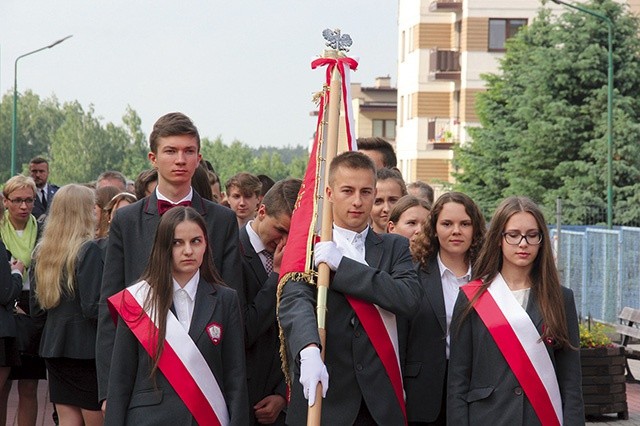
297 260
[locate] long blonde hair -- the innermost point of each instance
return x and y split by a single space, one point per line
69 225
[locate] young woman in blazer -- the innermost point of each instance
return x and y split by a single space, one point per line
65 289
180 311
445 250
514 357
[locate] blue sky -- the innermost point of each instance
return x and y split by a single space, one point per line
240 69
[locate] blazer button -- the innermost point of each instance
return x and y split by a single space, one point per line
357 334
359 367
518 391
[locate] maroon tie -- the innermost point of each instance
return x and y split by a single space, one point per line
164 205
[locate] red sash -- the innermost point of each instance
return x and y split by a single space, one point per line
514 353
379 337
170 363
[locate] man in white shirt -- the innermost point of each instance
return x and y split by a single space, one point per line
371 270
39 172
262 243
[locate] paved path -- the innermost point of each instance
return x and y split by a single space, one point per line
633 401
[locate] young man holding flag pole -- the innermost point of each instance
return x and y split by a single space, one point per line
366 292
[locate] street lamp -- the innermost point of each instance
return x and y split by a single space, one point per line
609 23
14 123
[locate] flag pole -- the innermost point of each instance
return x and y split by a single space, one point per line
326 231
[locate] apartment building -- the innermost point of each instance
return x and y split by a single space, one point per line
374 111
444 46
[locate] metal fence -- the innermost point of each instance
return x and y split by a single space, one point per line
602 267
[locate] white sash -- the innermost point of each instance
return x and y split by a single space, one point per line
188 353
529 337
388 318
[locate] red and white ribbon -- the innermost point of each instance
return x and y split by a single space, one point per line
379 324
521 345
181 361
351 64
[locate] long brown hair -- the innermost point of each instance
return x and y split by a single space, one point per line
427 244
545 283
158 271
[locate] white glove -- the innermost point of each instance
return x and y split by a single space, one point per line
312 372
327 252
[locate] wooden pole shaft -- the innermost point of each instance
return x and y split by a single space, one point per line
326 233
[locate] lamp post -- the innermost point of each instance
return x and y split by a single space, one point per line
14 123
609 23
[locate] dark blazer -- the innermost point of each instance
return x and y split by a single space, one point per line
426 359
135 399
482 388
131 238
355 370
264 367
10 288
70 328
38 208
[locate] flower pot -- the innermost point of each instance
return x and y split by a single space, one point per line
603 381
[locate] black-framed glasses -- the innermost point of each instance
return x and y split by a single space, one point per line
515 238
19 201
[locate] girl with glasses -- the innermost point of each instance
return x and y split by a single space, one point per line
514 340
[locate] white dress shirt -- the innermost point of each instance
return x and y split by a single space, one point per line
184 299
355 238
450 288
162 197
257 244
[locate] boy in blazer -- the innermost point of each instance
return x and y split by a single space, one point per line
262 243
360 389
175 153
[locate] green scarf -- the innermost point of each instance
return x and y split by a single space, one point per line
19 246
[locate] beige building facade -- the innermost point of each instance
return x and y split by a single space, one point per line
444 46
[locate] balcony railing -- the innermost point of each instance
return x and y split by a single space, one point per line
444 64
446 6
442 133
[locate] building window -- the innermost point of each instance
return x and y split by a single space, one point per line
384 129
500 30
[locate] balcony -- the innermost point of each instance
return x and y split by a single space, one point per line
444 65
445 6
442 134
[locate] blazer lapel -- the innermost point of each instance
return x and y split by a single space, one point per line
197 202
252 257
203 308
373 249
433 291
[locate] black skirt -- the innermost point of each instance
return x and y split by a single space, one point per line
73 382
30 368
9 355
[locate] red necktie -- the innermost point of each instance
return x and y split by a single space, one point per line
164 205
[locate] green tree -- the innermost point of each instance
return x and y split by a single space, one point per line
543 116
37 122
135 151
82 148
277 163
